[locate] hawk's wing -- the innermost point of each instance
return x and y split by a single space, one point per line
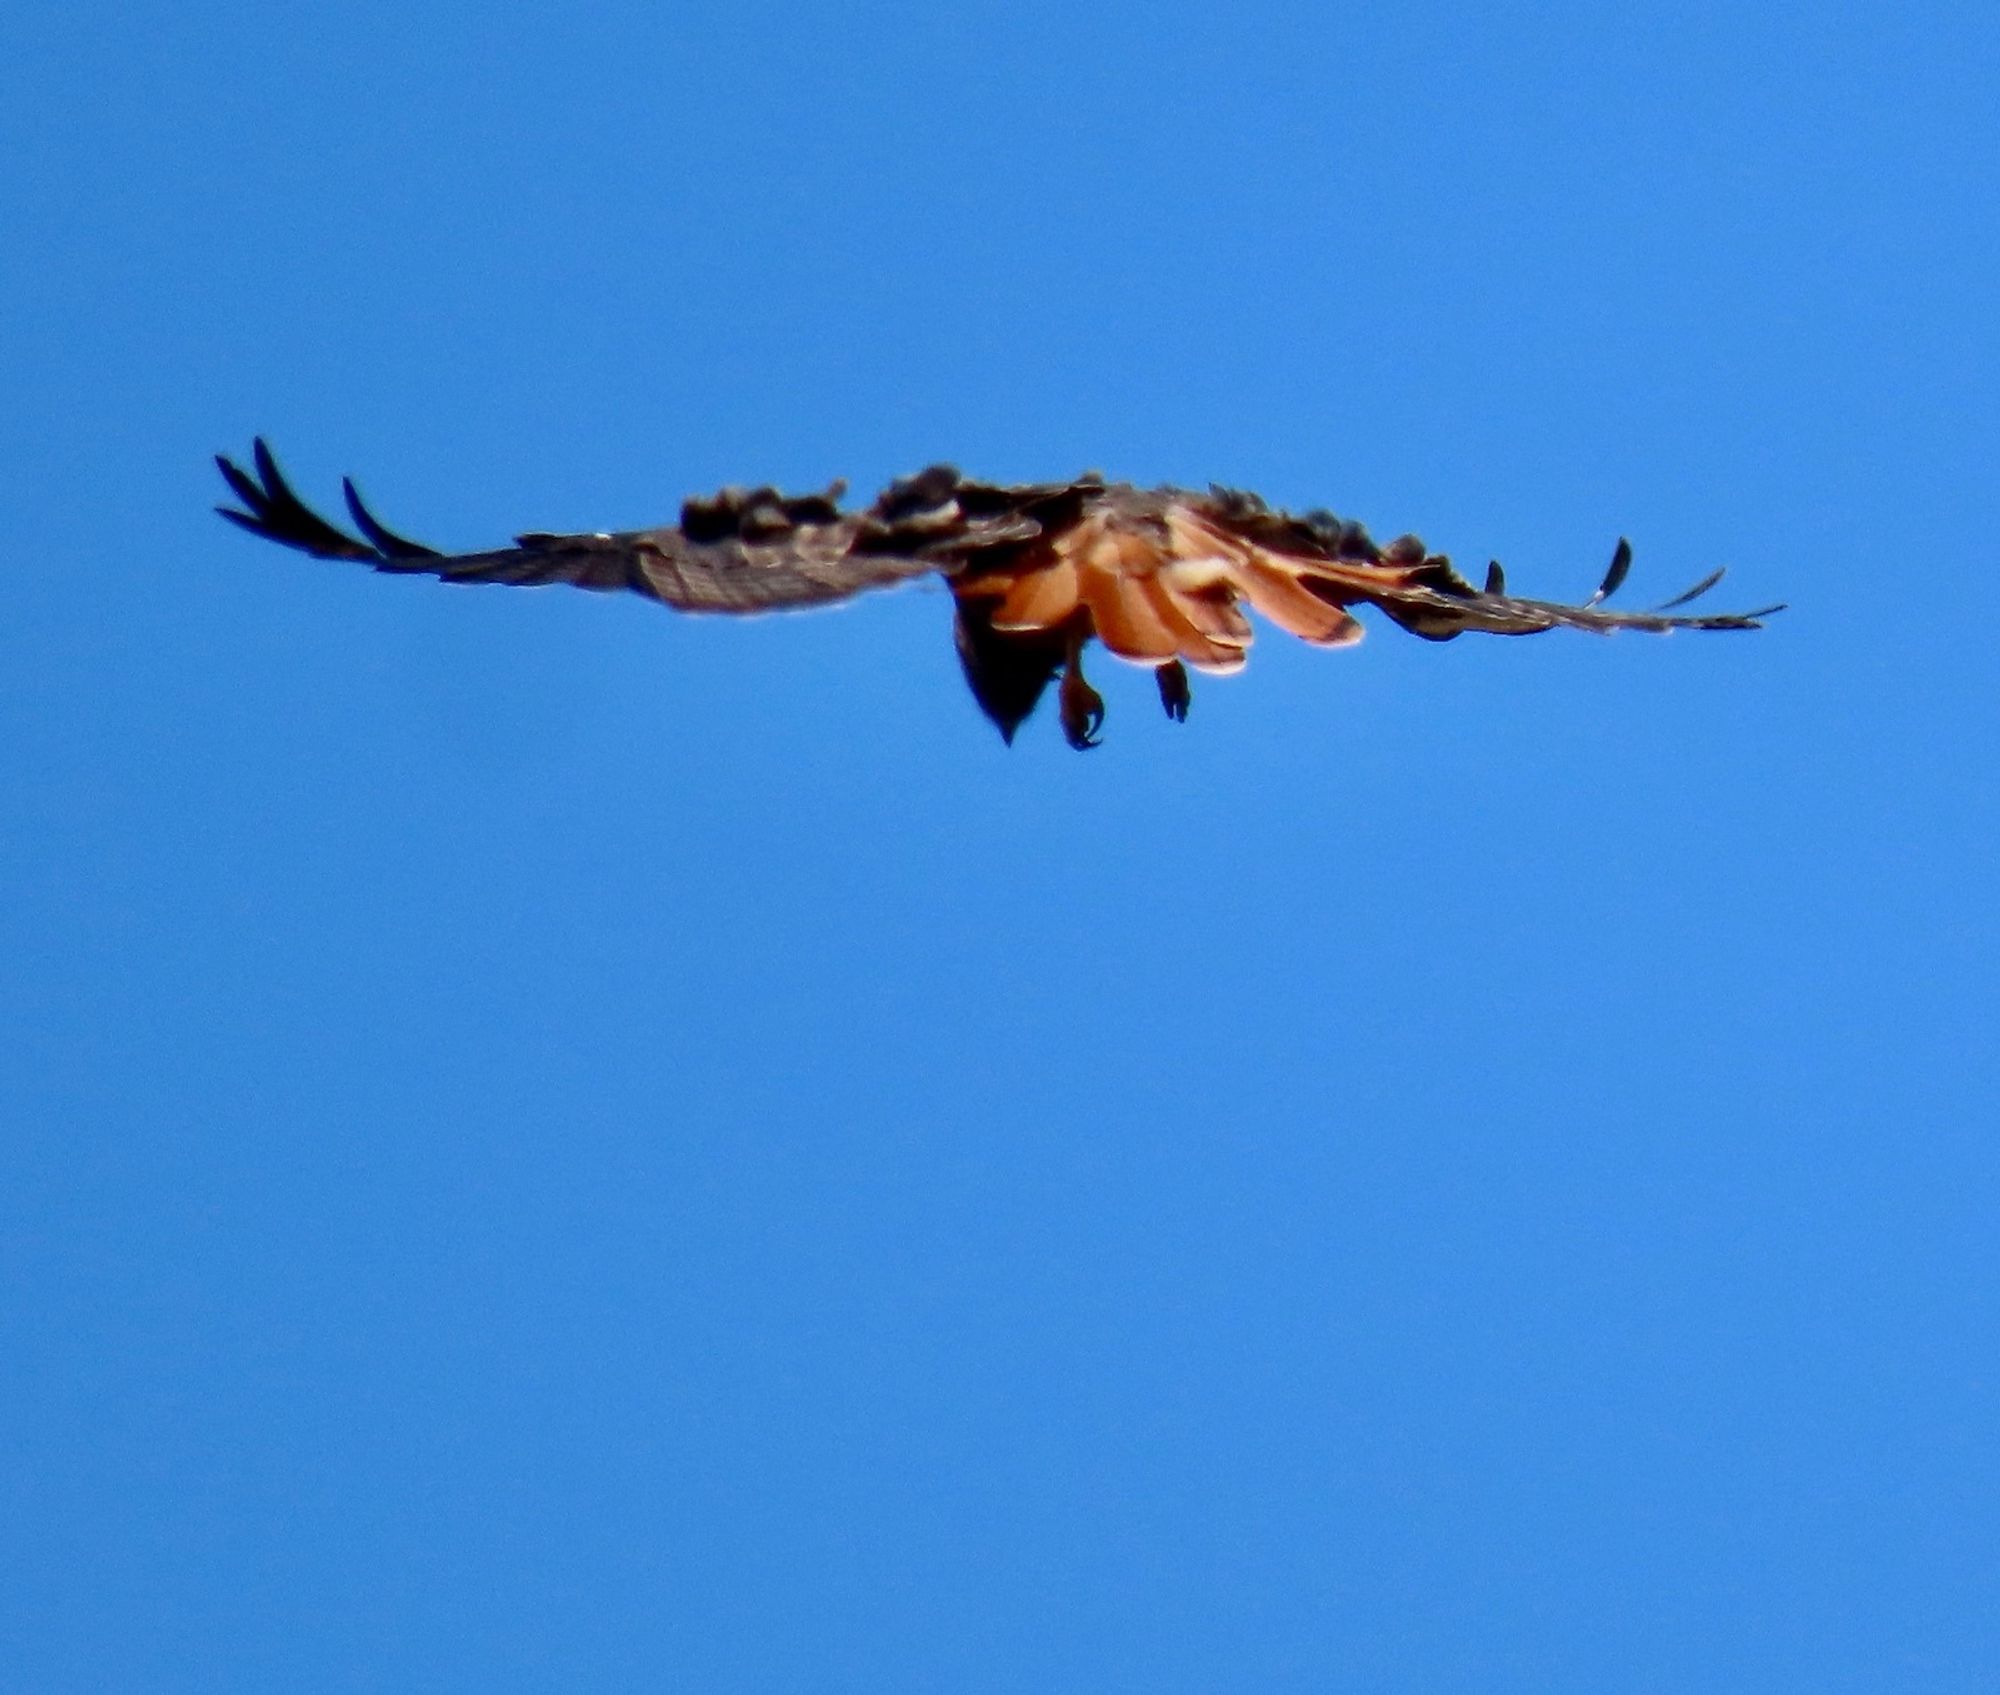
750 550
1339 564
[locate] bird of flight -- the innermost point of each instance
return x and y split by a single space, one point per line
1036 570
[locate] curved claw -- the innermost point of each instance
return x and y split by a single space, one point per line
1082 709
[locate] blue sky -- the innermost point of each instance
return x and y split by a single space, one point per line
548 1145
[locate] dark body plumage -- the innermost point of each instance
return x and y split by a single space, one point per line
1036 571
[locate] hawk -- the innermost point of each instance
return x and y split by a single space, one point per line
1036 571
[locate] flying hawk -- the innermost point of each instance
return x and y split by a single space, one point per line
1159 576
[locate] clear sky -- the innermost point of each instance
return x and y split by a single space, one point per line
545 1145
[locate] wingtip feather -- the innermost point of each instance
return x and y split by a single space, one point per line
1614 578
1688 596
384 538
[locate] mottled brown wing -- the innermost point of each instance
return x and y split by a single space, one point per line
1339 564
743 551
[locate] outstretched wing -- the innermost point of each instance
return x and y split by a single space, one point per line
750 550
1337 563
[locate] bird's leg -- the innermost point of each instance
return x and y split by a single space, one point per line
1082 706
1174 691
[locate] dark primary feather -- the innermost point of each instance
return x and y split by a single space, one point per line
1614 579
1037 571
1701 588
386 541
